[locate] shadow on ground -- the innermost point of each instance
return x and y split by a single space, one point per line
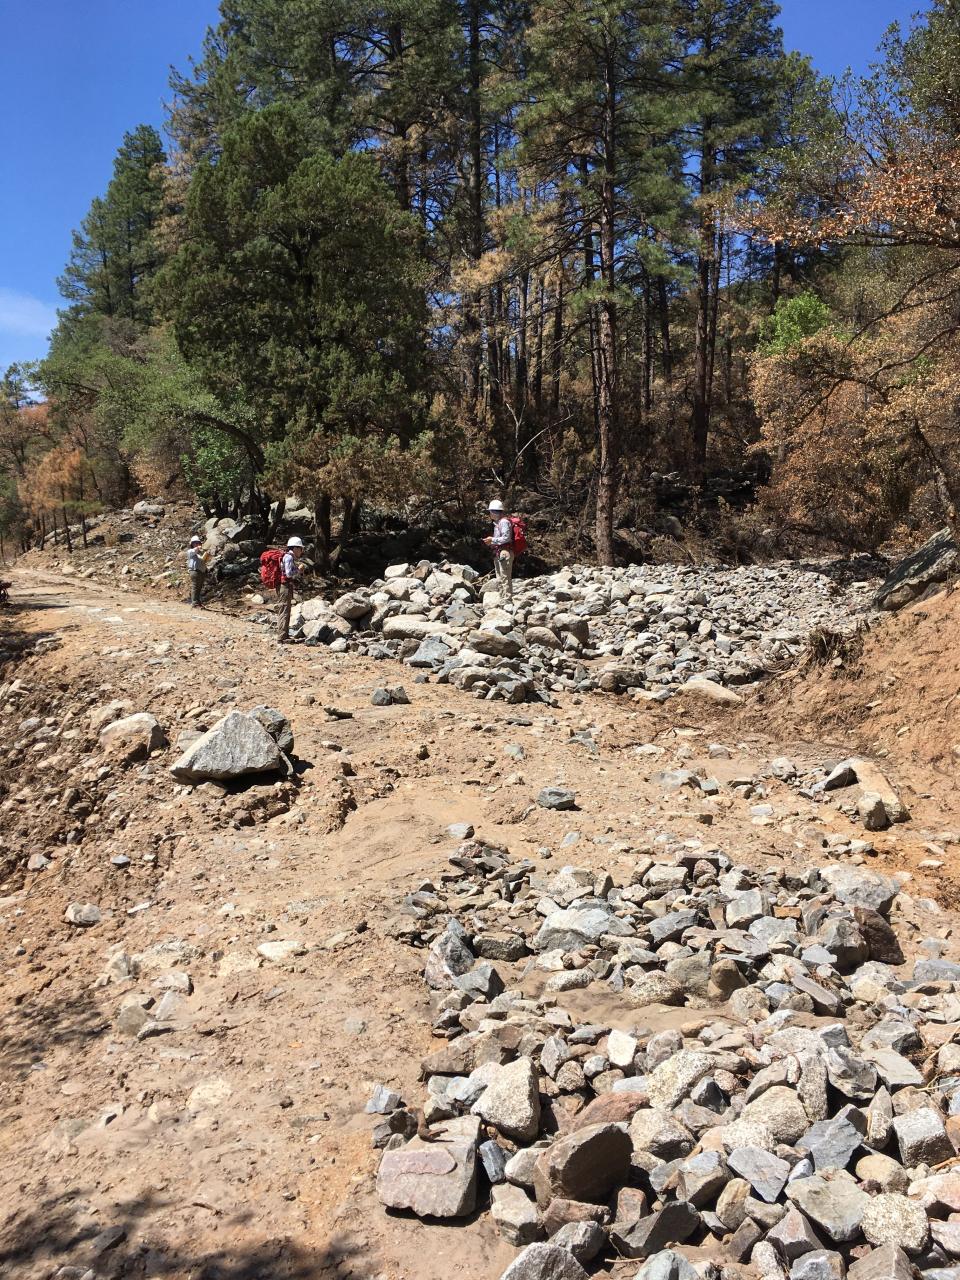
16 641
31 1030
60 1231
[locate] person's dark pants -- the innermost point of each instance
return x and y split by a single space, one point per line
197 579
284 605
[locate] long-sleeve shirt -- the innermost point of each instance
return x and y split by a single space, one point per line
502 534
196 560
289 568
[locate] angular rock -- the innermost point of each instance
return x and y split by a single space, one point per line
793 1235
836 1205
557 798
922 1137
511 1100
610 1108
667 1265
673 1224
893 1219
583 1239
820 1264
888 1262
857 888
702 1178
544 1262
236 746
560 1212
276 724
586 1165
781 1111
515 1215
83 914
766 1173
741 1244
281 950
449 957
578 927
831 1143
435 1179
672 1080
934 562
661 1134
133 738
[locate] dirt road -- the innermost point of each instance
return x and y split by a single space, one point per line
235 1143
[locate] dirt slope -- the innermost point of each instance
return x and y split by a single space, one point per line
235 1144
900 697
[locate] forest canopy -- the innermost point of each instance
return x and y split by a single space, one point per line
402 256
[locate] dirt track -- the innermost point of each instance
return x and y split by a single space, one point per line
235 1145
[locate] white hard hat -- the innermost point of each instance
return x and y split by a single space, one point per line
295 542
496 505
195 539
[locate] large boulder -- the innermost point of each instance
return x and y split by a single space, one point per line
435 1179
586 1165
236 746
933 562
511 1101
352 606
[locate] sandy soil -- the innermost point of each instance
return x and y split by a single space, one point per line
235 1145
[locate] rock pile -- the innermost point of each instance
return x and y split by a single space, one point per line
643 628
768 1076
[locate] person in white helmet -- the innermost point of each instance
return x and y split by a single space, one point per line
289 573
197 569
501 544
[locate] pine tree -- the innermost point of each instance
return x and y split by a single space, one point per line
732 67
597 129
115 253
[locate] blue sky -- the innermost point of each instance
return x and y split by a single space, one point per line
76 76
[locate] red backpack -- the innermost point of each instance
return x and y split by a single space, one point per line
271 574
519 527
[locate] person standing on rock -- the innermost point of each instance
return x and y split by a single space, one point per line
501 543
197 568
289 573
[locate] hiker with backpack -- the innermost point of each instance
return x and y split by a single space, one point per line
279 569
197 569
508 541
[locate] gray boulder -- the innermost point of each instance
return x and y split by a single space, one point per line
578 927
511 1100
544 1262
236 746
934 562
557 798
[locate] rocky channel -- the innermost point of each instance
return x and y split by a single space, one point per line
646 630
771 1080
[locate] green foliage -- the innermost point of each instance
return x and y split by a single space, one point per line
299 287
793 320
115 251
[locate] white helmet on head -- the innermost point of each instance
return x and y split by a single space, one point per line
195 540
295 542
497 506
